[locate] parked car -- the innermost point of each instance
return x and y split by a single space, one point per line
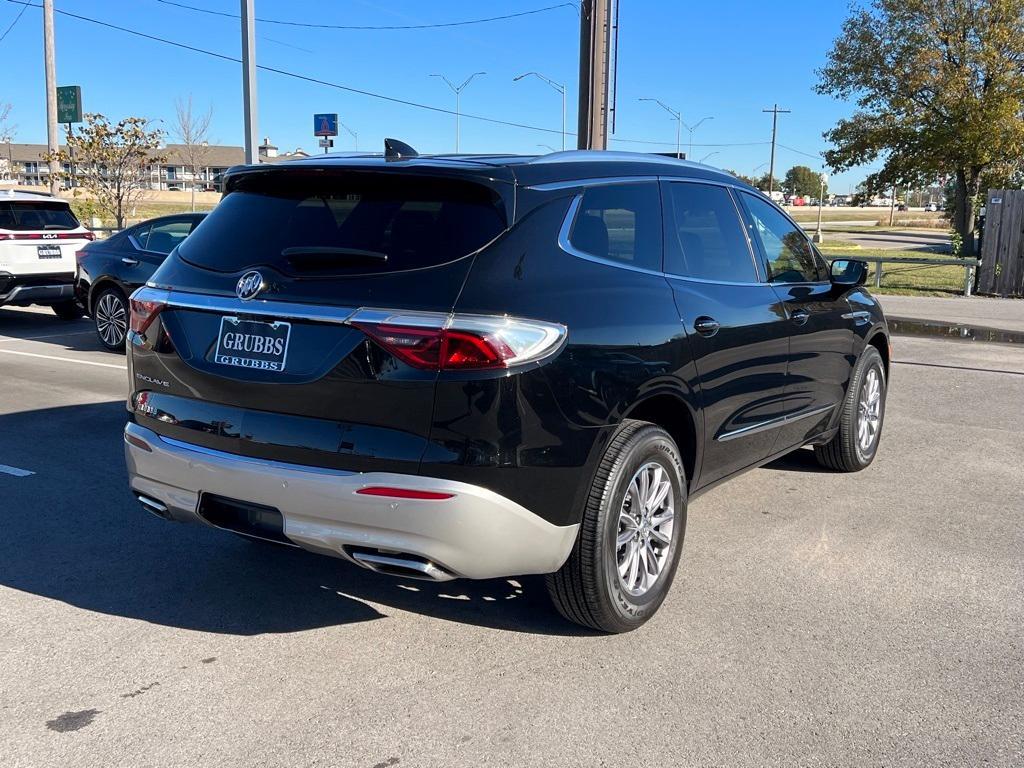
480 367
39 235
107 271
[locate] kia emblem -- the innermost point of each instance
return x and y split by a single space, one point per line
250 285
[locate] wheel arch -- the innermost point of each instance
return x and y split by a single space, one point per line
672 412
100 285
879 339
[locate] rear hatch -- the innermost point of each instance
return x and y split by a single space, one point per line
280 374
39 237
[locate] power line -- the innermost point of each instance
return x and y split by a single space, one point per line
16 20
800 152
338 86
311 25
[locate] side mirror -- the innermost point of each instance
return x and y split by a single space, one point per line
849 272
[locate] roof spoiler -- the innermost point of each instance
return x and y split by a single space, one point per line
398 150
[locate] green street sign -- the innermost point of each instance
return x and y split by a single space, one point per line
69 104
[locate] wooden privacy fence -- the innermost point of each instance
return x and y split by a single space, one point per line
1002 256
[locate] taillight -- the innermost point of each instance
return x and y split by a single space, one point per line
90 236
441 342
6 236
144 312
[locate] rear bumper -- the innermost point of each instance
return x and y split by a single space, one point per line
22 290
475 534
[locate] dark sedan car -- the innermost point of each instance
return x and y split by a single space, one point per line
107 271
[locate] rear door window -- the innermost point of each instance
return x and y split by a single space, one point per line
348 224
620 223
163 237
705 237
787 251
33 216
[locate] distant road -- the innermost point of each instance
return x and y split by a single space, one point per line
926 241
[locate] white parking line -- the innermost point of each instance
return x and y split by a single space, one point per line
65 359
15 471
48 336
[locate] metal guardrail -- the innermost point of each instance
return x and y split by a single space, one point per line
969 265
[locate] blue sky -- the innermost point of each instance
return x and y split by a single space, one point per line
728 60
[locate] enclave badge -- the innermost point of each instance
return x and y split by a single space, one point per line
250 285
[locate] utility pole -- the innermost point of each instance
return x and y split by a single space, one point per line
598 55
771 164
249 81
50 61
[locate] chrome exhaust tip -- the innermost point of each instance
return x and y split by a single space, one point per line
154 506
410 566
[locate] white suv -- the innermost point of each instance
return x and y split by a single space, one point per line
39 236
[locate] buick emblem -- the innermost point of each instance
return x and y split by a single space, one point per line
250 285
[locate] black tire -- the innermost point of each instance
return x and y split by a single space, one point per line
588 589
68 310
845 452
111 317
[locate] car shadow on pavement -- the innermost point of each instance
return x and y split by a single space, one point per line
72 532
800 460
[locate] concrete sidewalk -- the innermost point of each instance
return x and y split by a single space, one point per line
1007 314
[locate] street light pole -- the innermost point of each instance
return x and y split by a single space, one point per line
457 89
353 134
560 87
678 118
821 201
691 129
249 114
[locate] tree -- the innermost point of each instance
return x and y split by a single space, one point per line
762 183
743 177
192 132
939 87
803 182
111 162
7 131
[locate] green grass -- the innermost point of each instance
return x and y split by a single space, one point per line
144 210
903 279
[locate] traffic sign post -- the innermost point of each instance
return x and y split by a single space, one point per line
325 126
69 110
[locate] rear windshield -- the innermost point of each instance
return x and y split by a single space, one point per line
21 216
309 226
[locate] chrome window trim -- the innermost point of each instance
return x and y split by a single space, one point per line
568 247
778 421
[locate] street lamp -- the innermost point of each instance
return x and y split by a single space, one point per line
678 117
557 86
710 154
692 128
821 198
457 89
548 147
353 134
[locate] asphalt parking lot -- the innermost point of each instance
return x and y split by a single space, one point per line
817 619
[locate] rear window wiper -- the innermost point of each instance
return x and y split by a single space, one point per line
313 251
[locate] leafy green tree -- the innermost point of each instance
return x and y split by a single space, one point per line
762 183
110 162
743 177
801 180
939 87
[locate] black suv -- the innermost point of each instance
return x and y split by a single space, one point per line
486 366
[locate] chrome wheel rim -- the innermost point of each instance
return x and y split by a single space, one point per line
646 522
111 319
869 410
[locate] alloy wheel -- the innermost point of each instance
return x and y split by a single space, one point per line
869 411
646 521
111 319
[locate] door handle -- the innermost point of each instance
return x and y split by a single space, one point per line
706 326
129 261
800 316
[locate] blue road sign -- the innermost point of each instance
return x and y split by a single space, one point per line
325 125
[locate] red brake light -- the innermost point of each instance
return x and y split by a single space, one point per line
5 236
403 493
144 312
89 235
444 349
